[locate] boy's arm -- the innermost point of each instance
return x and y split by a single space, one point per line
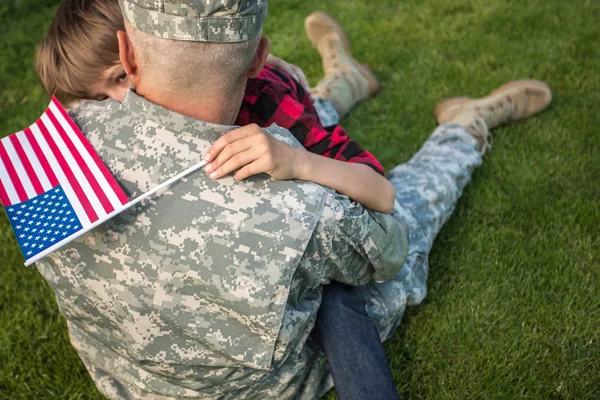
292 70
252 151
357 181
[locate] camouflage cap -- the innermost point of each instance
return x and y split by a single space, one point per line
220 21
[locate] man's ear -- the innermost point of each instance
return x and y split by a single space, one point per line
127 57
262 52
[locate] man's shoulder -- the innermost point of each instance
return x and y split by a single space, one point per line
88 109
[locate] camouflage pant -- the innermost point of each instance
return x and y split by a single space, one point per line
427 188
328 114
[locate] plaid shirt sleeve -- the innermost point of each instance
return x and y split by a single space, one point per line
274 97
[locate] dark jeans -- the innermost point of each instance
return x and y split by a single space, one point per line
351 342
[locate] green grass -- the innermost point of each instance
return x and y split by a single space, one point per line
513 309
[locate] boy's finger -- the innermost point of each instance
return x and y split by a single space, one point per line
229 151
249 170
228 138
237 161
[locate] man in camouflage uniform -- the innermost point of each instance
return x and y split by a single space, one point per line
211 288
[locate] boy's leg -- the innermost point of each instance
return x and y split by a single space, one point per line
349 338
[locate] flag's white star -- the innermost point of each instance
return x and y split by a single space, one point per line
53 197
29 253
29 237
53 225
11 209
26 229
40 246
35 201
27 214
56 190
38 209
19 226
68 226
56 218
21 236
42 230
37 238
64 219
30 208
34 215
50 203
72 220
45 224
53 240
25 244
19 212
15 218
60 226
46 196
34 230
45 238
30 222
64 233
61 211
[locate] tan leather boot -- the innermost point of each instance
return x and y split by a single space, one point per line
346 82
476 126
511 102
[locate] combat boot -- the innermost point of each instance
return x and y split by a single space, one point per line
514 101
346 82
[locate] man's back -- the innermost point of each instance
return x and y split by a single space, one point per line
212 287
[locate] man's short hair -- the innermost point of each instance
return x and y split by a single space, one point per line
81 42
186 67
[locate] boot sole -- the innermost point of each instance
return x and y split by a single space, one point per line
374 85
446 110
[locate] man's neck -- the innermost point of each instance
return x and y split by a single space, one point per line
222 110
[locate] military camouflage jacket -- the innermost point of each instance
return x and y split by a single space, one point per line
209 289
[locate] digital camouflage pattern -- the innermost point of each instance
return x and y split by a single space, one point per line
427 189
219 21
209 289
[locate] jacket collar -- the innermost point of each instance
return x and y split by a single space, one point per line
171 120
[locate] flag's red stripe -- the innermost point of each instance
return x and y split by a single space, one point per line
12 174
85 203
41 158
37 186
107 175
82 164
4 196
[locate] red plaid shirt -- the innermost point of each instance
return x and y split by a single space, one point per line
274 97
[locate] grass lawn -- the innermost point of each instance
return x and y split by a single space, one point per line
513 309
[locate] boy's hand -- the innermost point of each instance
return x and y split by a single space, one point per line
290 69
254 151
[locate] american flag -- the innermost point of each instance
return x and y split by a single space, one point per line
53 185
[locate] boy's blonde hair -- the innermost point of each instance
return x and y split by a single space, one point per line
81 42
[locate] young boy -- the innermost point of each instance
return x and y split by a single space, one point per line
78 60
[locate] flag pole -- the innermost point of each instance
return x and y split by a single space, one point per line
116 212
